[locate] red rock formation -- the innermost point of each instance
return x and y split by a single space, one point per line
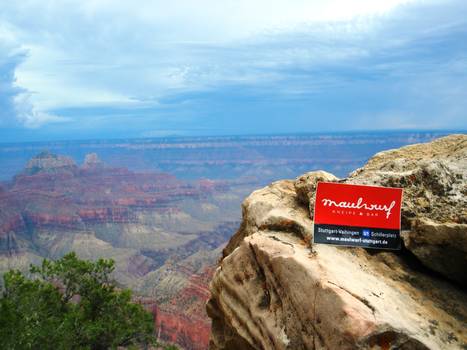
53 191
45 219
188 332
174 326
184 320
46 162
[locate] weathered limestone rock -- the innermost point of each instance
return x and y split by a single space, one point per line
433 175
441 246
272 290
305 186
277 208
434 178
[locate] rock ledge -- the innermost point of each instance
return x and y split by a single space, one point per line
273 290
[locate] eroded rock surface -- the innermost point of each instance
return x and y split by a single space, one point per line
48 163
92 161
305 186
272 290
434 211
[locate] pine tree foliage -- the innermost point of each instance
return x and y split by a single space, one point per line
70 304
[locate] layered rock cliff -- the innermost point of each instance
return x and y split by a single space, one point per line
48 163
274 289
161 231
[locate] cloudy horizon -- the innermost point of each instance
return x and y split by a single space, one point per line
107 69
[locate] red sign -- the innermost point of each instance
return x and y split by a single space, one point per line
356 215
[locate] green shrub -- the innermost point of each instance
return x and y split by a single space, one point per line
70 304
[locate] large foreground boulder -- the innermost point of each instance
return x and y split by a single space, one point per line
274 290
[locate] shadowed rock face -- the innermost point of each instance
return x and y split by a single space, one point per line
272 290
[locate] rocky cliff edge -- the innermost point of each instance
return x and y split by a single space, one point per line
273 289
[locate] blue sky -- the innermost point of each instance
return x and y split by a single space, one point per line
102 69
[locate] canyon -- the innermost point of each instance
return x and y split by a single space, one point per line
163 209
54 206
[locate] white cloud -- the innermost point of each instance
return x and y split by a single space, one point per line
111 53
31 117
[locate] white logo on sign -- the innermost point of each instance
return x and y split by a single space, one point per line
360 204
